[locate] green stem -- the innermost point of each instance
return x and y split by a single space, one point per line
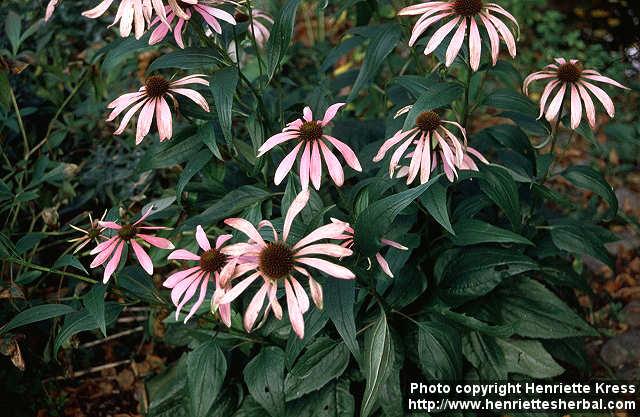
49 270
253 40
20 124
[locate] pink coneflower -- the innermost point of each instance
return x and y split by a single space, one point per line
91 233
131 14
151 98
430 138
569 76
213 266
276 261
347 242
51 7
465 15
310 134
182 11
127 234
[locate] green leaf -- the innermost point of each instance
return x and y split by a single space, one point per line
175 151
166 391
207 133
69 260
193 167
12 28
500 187
339 296
94 303
476 271
206 369
314 323
223 87
264 377
535 312
575 239
378 217
590 179
280 37
34 314
187 59
323 361
439 351
29 241
529 357
120 49
477 325
340 50
472 232
485 355
437 95
81 321
232 203
380 46
435 201
377 362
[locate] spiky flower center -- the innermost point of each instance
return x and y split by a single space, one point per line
428 121
93 233
241 17
569 73
276 260
212 260
156 86
467 7
310 131
127 232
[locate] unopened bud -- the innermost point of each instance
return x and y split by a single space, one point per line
50 216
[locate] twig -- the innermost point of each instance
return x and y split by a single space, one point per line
112 337
89 371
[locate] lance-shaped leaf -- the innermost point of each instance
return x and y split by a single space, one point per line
280 37
206 369
377 362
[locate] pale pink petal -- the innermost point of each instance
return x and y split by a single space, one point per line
328 249
253 310
188 295
328 231
221 240
128 115
598 77
182 286
398 153
193 95
477 154
545 96
414 166
274 141
105 253
219 13
307 114
331 113
440 34
273 301
456 42
383 265
113 263
541 75
494 38
505 33
184 255
226 273
588 106
424 23
315 169
99 10
475 45
576 107
393 244
286 164
237 289
422 8
200 300
327 267
554 108
158 242
295 315
177 32
163 119
333 165
201 238
144 120
143 258
389 143
602 96
305 163
176 277
297 205
247 228
266 223
301 295
347 153
103 245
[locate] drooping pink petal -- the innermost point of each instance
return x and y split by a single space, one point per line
301 295
200 300
576 107
398 153
333 165
540 75
384 265
221 240
158 242
113 263
456 43
188 295
414 166
588 106
163 119
347 153
184 255
247 228
440 34
286 164
328 231
105 253
295 315
602 96
331 113
315 169
193 95
422 7
425 162
144 120
143 258
176 277
327 267
99 10
297 205
273 301
328 249
254 308
393 244
179 289
389 143
305 166
505 33
103 245
477 154
274 141
475 45
589 74
237 289
554 108
545 96
494 38
128 115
